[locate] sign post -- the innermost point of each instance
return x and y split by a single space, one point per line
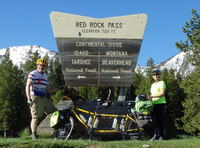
98 52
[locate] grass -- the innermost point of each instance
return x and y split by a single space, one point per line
80 143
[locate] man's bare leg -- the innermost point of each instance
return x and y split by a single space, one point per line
34 122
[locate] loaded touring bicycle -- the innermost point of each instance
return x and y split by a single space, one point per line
99 117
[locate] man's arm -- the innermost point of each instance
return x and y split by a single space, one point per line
51 89
28 95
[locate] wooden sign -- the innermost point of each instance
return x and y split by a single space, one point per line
98 52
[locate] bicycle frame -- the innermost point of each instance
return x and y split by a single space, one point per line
128 128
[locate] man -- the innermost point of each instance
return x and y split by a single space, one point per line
36 90
158 89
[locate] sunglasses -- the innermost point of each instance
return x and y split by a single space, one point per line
155 74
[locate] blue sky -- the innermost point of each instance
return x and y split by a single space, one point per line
27 22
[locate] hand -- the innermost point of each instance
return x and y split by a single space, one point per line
29 102
149 97
52 90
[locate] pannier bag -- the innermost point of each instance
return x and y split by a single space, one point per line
143 121
143 109
143 105
59 118
54 119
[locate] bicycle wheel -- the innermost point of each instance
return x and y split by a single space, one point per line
65 131
134 132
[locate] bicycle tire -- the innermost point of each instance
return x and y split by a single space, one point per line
64 132
136 134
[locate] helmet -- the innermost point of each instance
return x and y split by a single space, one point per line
41 62
156 71
142 97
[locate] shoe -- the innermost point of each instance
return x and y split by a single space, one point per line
154 138
34 136
161 138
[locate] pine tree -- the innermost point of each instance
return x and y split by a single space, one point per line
137 79
30 61
89 93
56 79
55 75
13 108
191 104
192 44
84 91
145 84
191 84
174 96
138 83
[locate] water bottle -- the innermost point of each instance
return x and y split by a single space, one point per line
114 125
96 122
83 118
89 123
121 127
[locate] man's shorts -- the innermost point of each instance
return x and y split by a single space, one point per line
41 105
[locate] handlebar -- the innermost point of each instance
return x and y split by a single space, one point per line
73 93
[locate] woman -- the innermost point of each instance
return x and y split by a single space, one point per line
158 89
